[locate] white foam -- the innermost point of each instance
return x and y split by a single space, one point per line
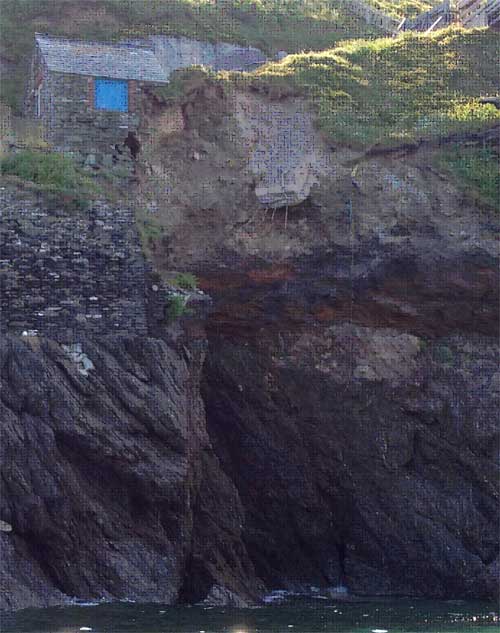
339 589
278 595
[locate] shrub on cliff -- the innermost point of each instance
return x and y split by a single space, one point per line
183 81
186 281
175 308
54 174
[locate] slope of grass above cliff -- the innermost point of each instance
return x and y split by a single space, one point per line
391 91
270 25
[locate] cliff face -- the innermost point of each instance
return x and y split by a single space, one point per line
343 425
359 422
362 458
110 484
350 385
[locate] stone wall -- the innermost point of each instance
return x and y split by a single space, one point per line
36 70
5 126
62 275
72 122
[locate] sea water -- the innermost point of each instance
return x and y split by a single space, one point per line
287 616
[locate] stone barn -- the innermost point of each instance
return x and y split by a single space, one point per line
87 95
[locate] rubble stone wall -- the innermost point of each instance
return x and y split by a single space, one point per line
72 123
63 275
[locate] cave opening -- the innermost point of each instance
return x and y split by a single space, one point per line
196 583
341 551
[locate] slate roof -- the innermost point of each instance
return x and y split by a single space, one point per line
116 61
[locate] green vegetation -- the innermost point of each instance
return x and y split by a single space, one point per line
54 174
476 171
176 307
183 81
271 25
150 233
392 90
151 230
186 281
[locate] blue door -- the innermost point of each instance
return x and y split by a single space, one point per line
111 94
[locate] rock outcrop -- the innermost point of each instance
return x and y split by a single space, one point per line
110 486
363 456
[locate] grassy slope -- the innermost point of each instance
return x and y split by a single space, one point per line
390 91
272 25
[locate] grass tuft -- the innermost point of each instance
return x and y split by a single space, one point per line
476 171
54 174
175 308
186 281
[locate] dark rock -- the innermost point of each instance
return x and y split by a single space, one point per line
109 482
342 479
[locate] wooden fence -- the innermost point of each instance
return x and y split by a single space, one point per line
438 17
471 13
468 13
